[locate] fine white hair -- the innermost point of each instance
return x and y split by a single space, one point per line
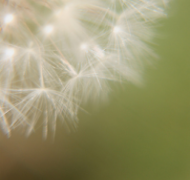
57 54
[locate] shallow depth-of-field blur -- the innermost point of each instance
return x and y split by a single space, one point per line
142 133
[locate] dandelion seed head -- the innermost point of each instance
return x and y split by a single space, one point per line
65 54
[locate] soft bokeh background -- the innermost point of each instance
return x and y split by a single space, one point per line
142 133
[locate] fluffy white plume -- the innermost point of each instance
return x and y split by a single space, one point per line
57 54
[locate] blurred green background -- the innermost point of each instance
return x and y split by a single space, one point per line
142 133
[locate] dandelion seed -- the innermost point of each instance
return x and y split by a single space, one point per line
9 52
117 30
8 18
84 47
48 29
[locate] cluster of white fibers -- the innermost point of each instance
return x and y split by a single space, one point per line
57 54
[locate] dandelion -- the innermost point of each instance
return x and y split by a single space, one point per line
57 54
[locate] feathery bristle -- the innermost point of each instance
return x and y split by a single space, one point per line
57 54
